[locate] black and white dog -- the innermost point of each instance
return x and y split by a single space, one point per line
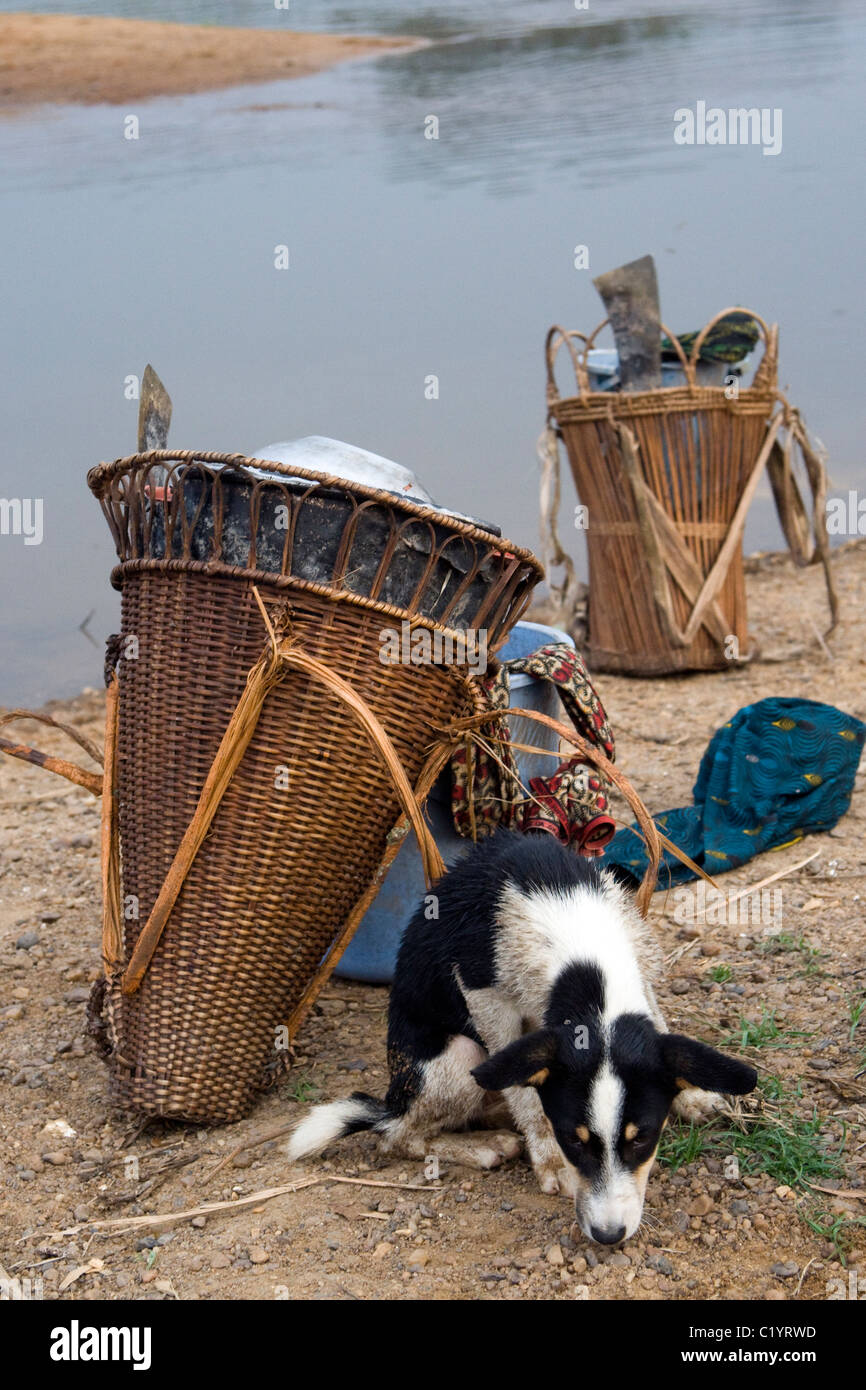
536 981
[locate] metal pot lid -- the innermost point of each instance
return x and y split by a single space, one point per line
322 455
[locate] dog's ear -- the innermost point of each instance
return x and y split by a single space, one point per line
691 1063
526 1062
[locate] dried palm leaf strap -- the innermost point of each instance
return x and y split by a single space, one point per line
565 595
280 656
98 785
485 787
71 771
665 550
805 548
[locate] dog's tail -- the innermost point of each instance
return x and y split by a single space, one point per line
326 1123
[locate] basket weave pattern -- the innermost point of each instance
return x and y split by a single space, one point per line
696 451
282 866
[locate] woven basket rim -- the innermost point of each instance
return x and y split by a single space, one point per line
290 581
100 477
751 400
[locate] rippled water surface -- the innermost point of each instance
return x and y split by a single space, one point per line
408 257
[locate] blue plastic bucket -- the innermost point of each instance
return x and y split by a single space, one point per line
372 953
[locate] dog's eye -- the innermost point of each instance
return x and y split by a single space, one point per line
581 1135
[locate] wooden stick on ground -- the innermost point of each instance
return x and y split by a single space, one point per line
134 1223
251 1143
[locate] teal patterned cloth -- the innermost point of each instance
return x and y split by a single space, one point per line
779 770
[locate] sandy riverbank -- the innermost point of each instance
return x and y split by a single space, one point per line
708 1234
71 58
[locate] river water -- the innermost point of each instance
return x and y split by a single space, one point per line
408 257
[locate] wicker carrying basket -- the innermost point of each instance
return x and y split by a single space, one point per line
203 970
667 477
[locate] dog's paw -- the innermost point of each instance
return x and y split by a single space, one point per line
555 1177
506 1143
696 1107
484 1149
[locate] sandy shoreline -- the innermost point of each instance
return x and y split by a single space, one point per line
486 1235
70 58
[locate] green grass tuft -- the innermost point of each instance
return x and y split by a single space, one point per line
304 1091
840 1231
765 1032
681 1144
810 956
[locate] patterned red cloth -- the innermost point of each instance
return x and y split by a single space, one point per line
571 804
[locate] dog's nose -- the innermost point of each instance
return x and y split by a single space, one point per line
608 1237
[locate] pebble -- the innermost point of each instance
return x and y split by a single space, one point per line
382 1249
357 1065
259 1255
26 940
680 985
711 948
55 1158
13 1012
121 1279
21 993
739 1207
661 1263
76 996
220 1261
49 917
419 1259
145 1243
199 1222
701 1206
60 1127
618 1260
788 1270
555 1256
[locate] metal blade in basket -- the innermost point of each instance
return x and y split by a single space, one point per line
154 413
631 298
